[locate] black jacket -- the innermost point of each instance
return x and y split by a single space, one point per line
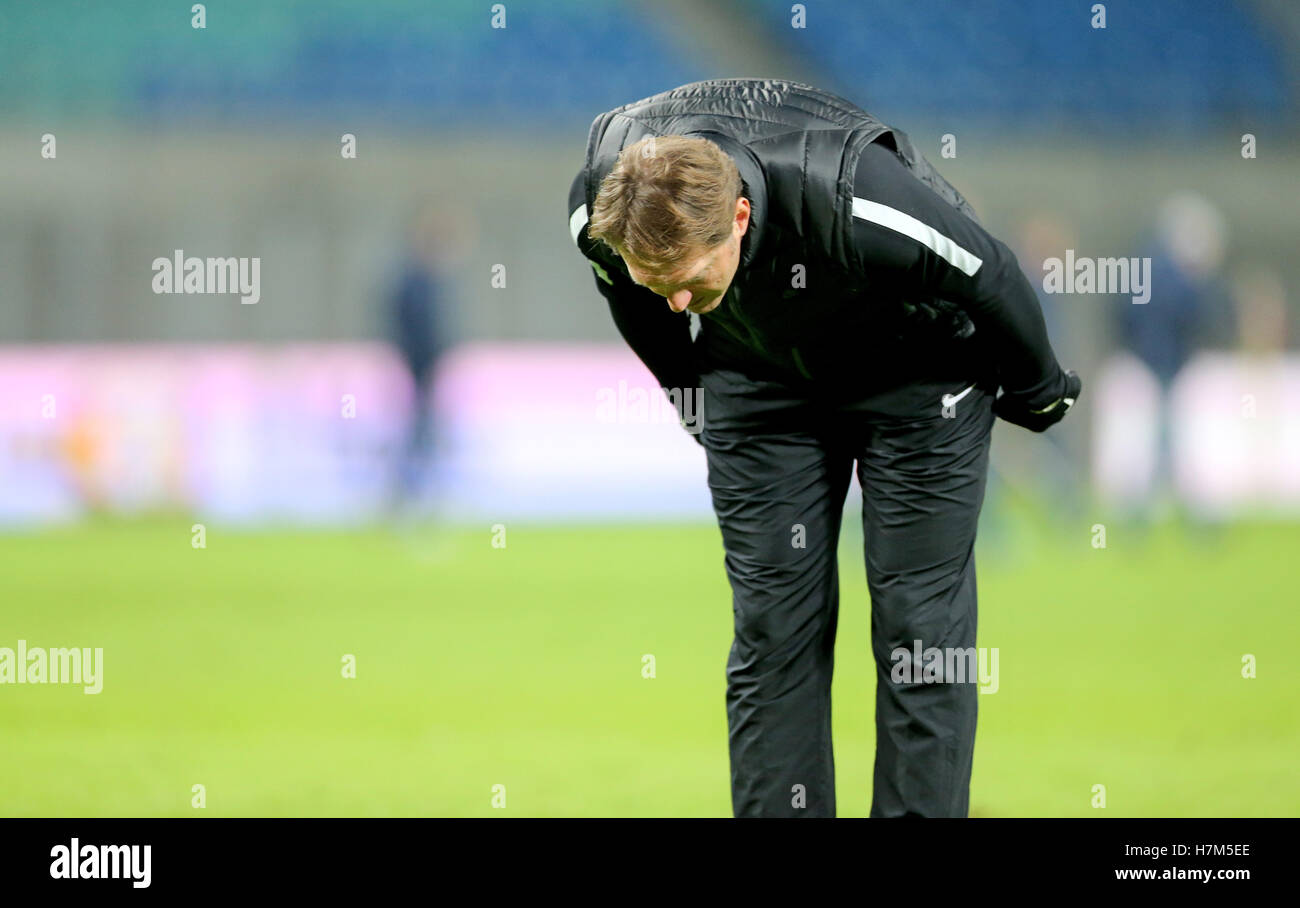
896 268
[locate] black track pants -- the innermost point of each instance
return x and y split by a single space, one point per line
779 470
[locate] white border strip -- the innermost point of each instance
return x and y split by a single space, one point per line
961 259
577 221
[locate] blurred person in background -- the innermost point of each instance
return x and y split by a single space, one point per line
1186 312
416 326
1039 236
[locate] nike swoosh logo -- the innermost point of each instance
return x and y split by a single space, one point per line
949 399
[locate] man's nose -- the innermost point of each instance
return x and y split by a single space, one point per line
679 300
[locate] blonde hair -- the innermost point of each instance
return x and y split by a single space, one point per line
668 198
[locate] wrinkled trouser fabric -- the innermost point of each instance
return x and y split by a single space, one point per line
779 468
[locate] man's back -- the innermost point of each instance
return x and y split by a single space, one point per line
833 284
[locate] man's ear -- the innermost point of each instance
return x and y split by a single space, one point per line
742 214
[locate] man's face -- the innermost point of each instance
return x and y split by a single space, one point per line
699 284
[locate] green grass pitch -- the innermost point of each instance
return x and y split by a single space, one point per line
522 667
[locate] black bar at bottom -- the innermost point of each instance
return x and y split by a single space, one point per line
549 857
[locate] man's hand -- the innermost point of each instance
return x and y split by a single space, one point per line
1013 409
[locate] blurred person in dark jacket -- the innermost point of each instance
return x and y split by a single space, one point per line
1186 313
416 327
1043 235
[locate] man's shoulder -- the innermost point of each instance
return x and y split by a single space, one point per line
602 260
578 212
577 199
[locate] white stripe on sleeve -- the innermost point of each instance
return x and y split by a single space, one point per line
963 260
577 221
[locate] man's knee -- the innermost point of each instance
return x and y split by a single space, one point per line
931 607
776 600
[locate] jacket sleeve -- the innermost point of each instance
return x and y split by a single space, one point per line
660 337
908 236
